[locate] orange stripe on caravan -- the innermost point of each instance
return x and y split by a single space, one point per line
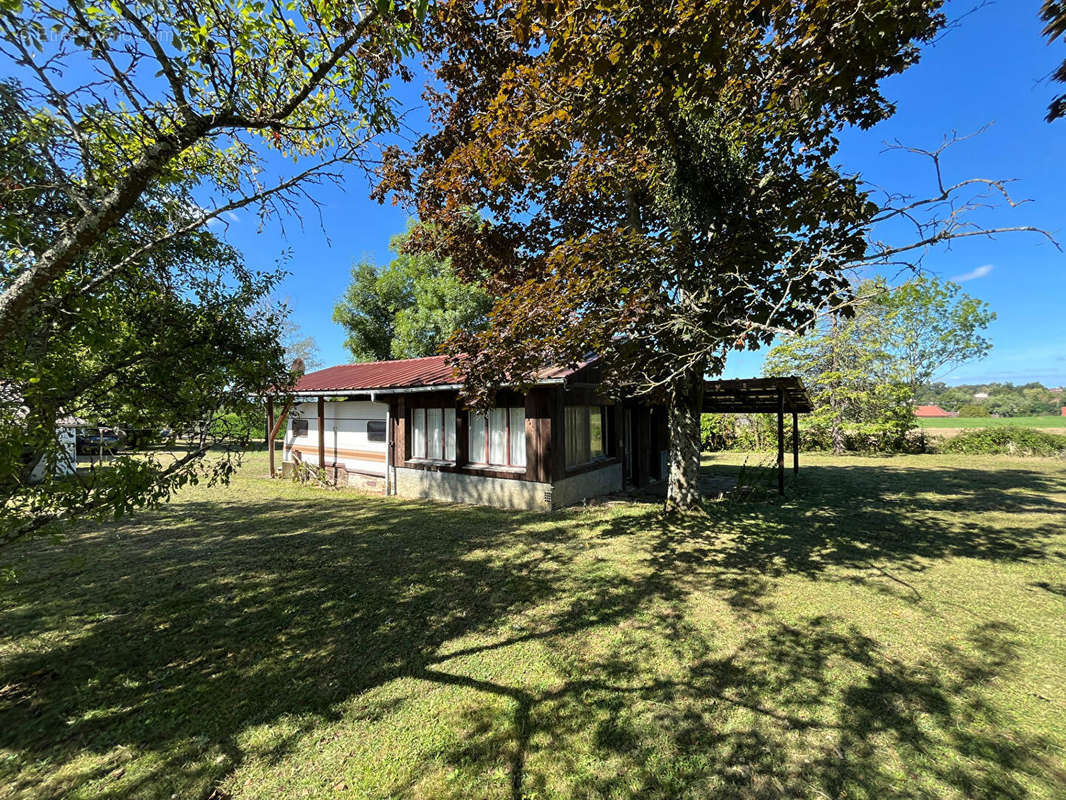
359 455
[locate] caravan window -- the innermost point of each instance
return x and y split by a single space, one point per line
375 430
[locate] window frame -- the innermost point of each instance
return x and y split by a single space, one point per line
481 456
304 425
440 436
382 434
578 428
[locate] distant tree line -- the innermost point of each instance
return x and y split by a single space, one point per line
865 369
1004 399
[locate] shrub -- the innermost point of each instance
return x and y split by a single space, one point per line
973 410
1006 440
758 432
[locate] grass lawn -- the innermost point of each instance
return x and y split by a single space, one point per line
984 422
894 629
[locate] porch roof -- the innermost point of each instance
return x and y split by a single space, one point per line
755 396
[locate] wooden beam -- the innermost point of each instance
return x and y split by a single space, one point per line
780 441
270 434
281 419
321 432
795 444
276 427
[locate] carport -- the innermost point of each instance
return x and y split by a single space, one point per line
763 396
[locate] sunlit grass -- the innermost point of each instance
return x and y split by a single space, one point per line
894 628
985 422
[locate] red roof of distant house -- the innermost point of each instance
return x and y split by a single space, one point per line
931 411
408 373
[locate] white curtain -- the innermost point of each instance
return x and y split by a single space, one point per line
476 443
518 437
497 432
418 433
435 432
449 434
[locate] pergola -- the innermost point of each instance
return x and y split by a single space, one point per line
763 396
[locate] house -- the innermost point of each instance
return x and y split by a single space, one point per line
400 428
932 411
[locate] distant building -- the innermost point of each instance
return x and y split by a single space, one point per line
1064 411
980 395
932 411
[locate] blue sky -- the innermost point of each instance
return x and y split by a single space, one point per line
990 70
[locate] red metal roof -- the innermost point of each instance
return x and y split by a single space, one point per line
408 373
405 373
931 411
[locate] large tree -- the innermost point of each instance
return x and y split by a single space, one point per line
864 371
1053 13
170 346
658 180
931 327
194 97
409 307
128 126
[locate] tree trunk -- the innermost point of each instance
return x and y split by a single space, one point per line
683 482
83 232
836 430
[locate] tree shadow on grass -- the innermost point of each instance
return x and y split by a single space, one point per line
857 521
192 628
176 633
773 719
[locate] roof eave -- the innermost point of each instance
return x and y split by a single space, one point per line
391 390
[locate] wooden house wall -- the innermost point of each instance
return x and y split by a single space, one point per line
346 442
539 444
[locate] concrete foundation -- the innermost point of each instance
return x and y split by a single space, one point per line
593 483
479 490
455 487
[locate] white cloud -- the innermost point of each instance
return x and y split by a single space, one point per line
234 218
974 274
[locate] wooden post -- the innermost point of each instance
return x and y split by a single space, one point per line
795 444
780 441
321 432
270 434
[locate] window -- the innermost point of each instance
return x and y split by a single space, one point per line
498 437
375 430
433 433
299 428
517 441
585 430
595 432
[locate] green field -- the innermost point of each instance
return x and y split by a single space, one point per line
893 629
984 422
